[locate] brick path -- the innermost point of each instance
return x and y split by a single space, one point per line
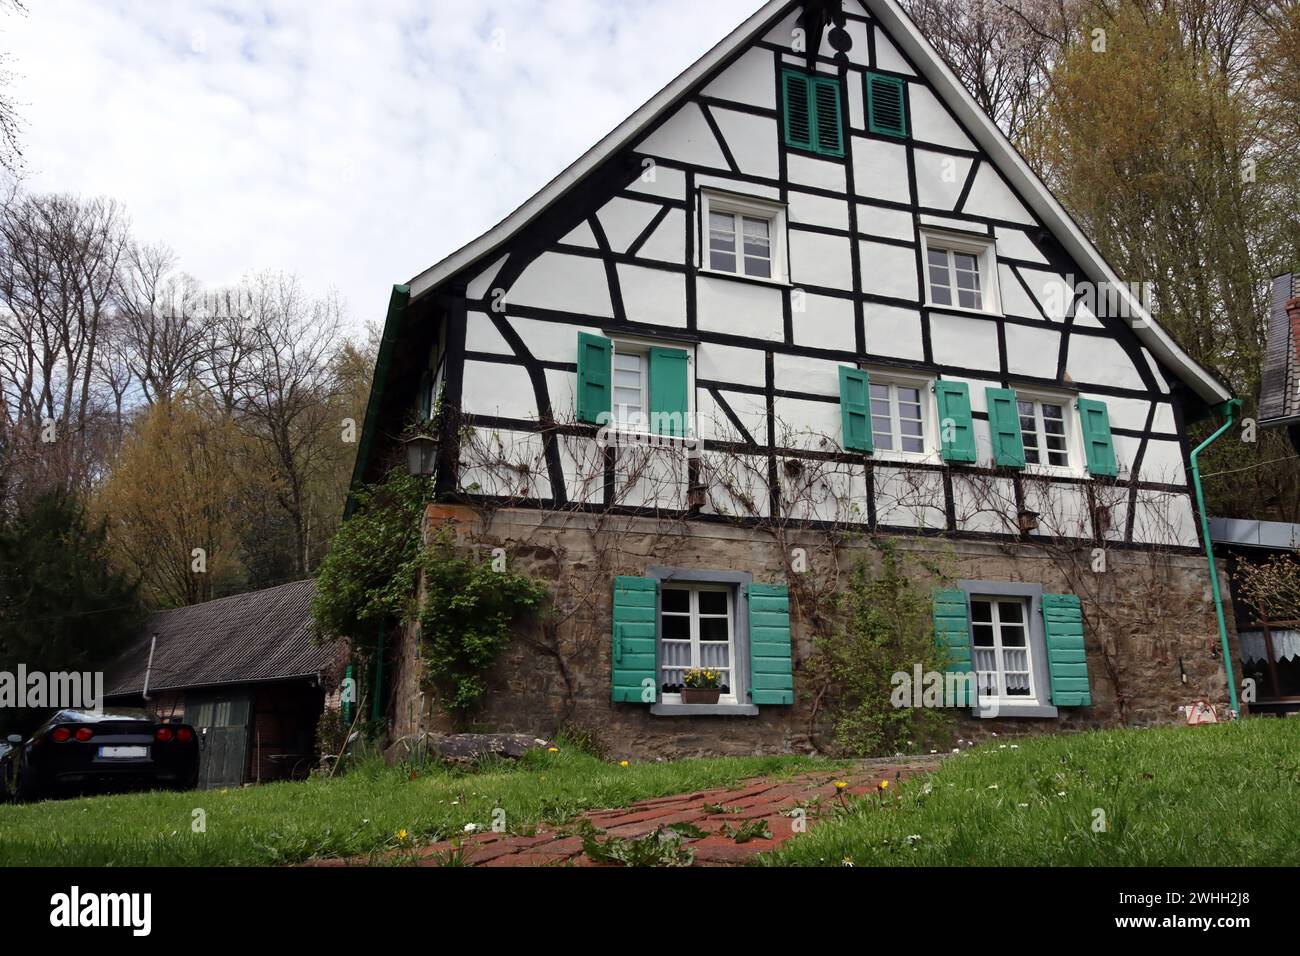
761 799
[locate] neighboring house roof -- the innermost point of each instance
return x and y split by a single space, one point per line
1273 535
946 85
247 638
1279 393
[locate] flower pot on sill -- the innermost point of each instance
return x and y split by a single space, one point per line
700 695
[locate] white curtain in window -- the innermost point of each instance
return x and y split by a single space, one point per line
1286 645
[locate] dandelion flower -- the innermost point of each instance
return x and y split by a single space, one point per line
884 785
847 861
552 750
623 763
840 784
401 834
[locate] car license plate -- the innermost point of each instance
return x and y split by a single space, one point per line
123 753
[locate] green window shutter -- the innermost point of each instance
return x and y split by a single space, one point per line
426 396
771 674
798 110
828 129
595 395
1098 444
885 112
956 428
669 394
855 409
952 633
1066 661
1004 423
635 634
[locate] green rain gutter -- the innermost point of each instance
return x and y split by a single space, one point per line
1229 409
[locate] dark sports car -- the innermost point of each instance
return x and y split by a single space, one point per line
77 752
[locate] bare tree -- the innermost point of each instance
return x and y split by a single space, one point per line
11 153
59 257
285 399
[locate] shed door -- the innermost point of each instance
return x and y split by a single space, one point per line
222 722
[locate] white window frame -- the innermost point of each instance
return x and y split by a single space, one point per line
1076 467
642 347
694 589
1027 606
712 201
984 249
929 416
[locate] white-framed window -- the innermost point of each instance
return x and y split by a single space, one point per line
961 272
743 236
697 629
902 416
1002 653
1048 429
631 369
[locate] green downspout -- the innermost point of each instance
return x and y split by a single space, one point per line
375 709
1228 409
347 703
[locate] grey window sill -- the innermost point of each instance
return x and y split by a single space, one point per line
704 710
1019 710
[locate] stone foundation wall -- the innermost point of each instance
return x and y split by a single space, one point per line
1153 616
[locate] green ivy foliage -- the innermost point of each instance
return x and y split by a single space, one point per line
886 627
369 575
469 612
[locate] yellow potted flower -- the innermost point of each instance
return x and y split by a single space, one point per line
703 686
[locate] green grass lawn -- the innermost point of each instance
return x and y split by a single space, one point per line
354 815
1226 795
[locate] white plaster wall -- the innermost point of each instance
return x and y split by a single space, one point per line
931 123
728 363
749 80
888 270
752 141
964 342
502 391
820 260
893 332
685 136
623 220
816 210
880 170
653 296
564 283
824 322
739 308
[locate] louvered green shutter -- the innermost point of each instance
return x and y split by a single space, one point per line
952 634
1066 660
771 673
885 111
635 633
669 394
956 429
595 397
1004 424
1098 445
798 110
828 129
855 409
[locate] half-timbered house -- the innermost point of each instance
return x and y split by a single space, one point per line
808 289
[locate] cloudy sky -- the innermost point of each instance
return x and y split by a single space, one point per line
353 143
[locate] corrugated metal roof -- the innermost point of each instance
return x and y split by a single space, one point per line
1279 393
1275 535
247 638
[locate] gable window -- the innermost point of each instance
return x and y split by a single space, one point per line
899 410
1043 430
812 112
960 272
696 631
885 111
743 237
1001 653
